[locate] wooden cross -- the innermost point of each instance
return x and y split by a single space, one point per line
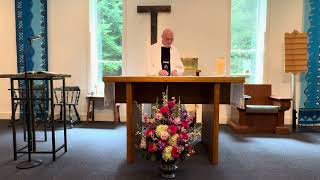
154 10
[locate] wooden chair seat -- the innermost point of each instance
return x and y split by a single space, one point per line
262 109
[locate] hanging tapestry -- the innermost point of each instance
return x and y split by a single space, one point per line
31 21
309 111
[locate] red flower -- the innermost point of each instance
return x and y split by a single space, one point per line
185 124
175 152
164 109
184 136
171 104
149 132
152 147
172 129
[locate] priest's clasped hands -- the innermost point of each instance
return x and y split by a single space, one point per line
166 73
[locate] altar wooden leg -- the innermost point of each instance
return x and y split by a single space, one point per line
207 131
215 124
130 126
210 128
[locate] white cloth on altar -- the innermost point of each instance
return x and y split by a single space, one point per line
154 60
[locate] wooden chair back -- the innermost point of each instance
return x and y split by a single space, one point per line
259 93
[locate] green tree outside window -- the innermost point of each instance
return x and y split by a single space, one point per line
244 34
109 36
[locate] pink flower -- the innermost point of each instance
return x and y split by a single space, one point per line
149 132
172 129
185 124
145 117
158 116
175 152
177 121
171 104
164 135
152 147
164 109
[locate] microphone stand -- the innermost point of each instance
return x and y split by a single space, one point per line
294 111
28 163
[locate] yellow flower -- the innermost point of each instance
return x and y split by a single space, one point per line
160 129
166 154
173 140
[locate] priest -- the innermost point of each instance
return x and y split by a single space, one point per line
164 58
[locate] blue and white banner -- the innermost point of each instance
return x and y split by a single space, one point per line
31 20
309 111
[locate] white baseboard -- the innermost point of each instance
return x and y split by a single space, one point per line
6 115
106 115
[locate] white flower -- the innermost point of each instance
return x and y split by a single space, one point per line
143 143
145 117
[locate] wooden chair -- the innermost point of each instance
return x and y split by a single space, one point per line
261 113
72 101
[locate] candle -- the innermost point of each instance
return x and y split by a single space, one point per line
220 66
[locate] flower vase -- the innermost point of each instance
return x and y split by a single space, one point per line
168 169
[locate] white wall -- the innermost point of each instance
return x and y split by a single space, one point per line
68 35
202 30
69 43
8 59
284 16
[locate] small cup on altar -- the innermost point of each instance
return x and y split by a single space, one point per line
220 66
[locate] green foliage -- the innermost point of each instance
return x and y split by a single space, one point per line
243 37
109 28
112 68
243 62
243 24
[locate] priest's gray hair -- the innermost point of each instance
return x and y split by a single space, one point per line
167 31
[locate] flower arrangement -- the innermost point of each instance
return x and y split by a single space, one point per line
169 133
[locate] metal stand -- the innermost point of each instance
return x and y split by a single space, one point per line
28 100
294 111
29 163
30 148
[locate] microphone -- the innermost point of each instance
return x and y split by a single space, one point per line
32 38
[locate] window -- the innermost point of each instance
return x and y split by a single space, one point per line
106 26
248 26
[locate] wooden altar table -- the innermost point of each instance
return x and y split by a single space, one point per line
209 91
